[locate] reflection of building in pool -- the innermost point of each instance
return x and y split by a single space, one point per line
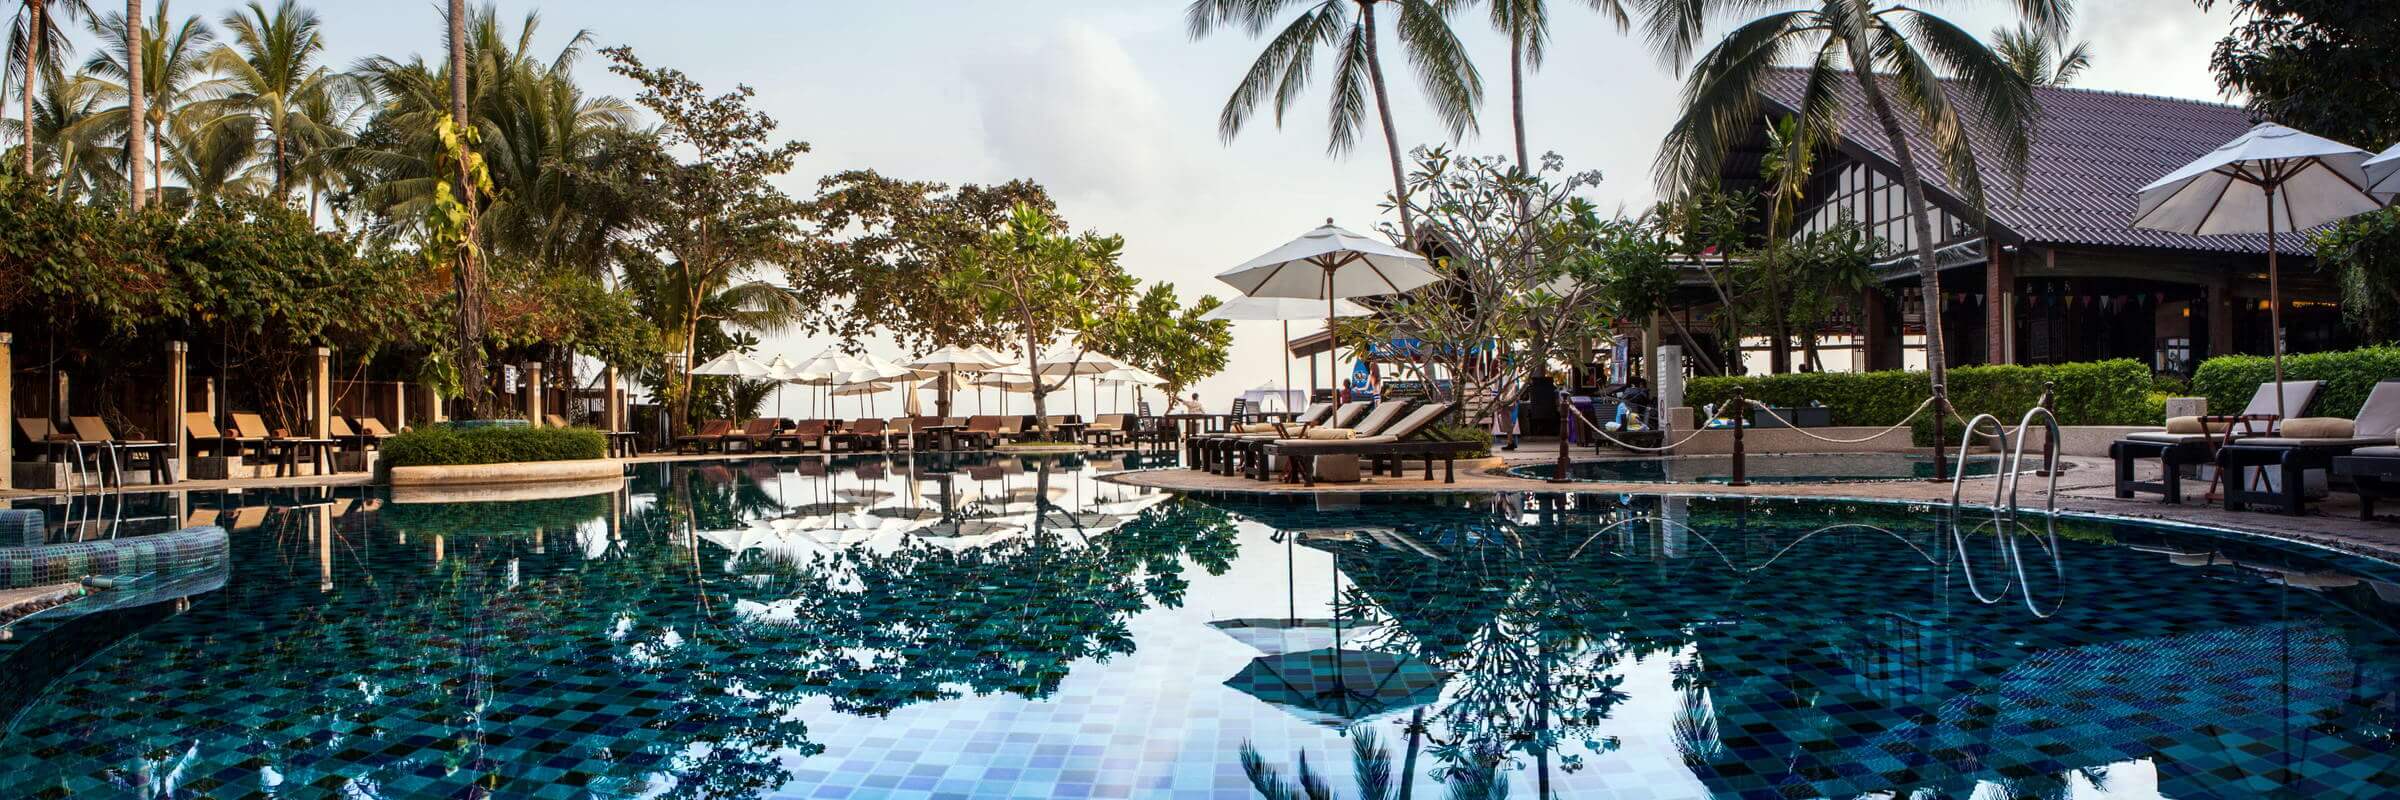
1849 661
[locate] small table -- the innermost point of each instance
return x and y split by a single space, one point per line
948 434
318 452
624 444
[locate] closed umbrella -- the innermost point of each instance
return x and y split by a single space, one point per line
1330 264
2383 173
2270 179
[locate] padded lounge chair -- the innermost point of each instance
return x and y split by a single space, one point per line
1402 440
152 453
349 436
863 433
1107 429
1255 461
1207 451
2291 454
900 430
2373 472
804 435
2194 440
711 434
981 433
206 438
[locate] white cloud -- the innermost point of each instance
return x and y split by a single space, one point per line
1074 109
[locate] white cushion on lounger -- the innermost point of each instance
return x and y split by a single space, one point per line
1329 434
2382 451
2318 428
2287 441
2168 438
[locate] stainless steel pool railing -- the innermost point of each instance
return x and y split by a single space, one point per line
2012 460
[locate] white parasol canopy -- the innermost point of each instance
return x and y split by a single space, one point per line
2383 173
1131 374
1282 308
1329 264
948 362
2270 179
733 364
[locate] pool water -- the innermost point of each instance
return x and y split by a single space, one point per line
1772 468
1006 627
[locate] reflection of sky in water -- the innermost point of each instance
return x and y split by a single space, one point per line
989 627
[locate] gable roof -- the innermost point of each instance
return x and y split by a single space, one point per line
2092 153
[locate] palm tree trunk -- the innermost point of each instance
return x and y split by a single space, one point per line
158 172
33 49
469 273
1516 95
1383 109
1912 186
136 116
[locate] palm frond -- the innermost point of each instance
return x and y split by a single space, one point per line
1721 96
2003 99
1450 79
1350 90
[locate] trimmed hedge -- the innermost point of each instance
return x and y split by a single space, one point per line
2116 392
2228 381
443 445
491 519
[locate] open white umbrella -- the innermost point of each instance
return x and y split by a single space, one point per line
1284 310
949 361
733 364
1133 376
2383 173
827 368
2269 179
1069 363
1329 264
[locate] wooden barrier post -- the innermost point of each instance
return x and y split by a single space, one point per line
1740 476
1566 430
8 411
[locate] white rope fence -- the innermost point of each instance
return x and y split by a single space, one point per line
1795 428
1603 433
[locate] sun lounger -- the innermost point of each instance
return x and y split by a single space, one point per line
2373 472
2299 446
711 434
863 434
900 430
1392 445
1211 451
349 436
1107 429
2195 440
271 442
153 454
206 438
807 434
1249 453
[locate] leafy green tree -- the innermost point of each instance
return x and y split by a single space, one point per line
884 245
2364 253
1043 284
1904 59
2329 67
67 149
1815 276
1710 226
1451 82
717 218
1158 333
1785 168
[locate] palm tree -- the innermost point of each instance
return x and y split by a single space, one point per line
135 118
1902 58
63 146
1284 68
172 60
1527 23
36 41
215 158
1785 168
268 70
2043 58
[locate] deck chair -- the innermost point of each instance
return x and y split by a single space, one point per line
349 437
1208 450
2195 440
862 433
2302 444
1012 429
152 453
1106 429
253 427
981 432
900 430
370 426
1390 446
756 432
1247 452
556 421
711 433
205 437
806 434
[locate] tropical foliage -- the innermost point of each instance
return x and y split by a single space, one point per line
1044 284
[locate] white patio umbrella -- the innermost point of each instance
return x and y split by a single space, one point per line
826 368
1130 376
1329 264
733 364
861 389
1284 310
949 361
1006 379
1071 363
2383 173
2270 179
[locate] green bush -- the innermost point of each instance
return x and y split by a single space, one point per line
2114 392
443 445
1451 432
2228 381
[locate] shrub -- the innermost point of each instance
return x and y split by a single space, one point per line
2228 381
2114 392
1449 432
444 445
523 516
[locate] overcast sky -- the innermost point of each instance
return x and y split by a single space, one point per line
1112 107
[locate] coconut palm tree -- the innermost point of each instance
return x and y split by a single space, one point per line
1903 59
2044 58
215 158
267 71
37 39
1283 70
172 61
63 146
1527 23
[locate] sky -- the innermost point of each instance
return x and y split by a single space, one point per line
1110 105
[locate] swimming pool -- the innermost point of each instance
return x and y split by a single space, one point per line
1006 627
1765 468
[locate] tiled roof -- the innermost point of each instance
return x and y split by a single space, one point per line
2092 152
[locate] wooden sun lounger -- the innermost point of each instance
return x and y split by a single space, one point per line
712 432
205 437
1395 443
153 454
807 434
861 433
2175 451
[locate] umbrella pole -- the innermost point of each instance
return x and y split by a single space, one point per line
2275 305
1330 339
1287 363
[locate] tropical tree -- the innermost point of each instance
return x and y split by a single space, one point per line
216 157
1172 341
173 58
2042 58
1527 23
715 219
266 75
1046 284
1789 161
64 144
2329 67
880 247
37 39
1903 59
1283 70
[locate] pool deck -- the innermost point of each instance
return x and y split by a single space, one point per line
2085 487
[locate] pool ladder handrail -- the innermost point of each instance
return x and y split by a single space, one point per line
2012 459
91 485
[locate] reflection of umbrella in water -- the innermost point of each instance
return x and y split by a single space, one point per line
968 533
1338 688
907 513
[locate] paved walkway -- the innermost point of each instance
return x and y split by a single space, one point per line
2086 486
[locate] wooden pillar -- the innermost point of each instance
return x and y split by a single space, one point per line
208 398
179 397
613 419
2220 319
1999 294
399 405
1650 342
533 393
8 411
320 400
58 399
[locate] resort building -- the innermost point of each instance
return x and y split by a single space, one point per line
2056 272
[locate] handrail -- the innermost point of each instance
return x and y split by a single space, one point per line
2016 460
1966 438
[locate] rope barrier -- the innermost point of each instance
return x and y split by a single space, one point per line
1603 433
1871 437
